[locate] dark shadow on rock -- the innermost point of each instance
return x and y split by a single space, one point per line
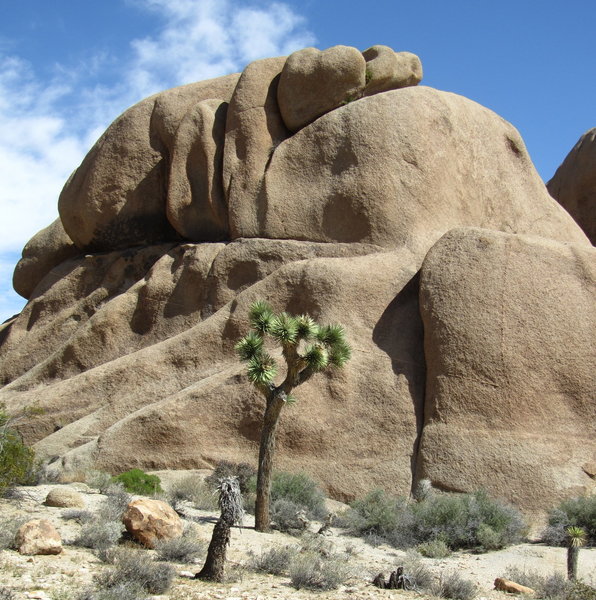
400 333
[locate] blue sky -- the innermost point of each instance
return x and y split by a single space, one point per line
69 67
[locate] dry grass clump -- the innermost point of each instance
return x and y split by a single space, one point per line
274 561
183 549
453 585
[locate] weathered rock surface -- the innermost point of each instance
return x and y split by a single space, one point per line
149 521
117 197
388 70
38 536
509 326
63 497
44 251
128 352
574 183
326 79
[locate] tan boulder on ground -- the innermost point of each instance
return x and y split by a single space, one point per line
44 251
38 536
64 497
504 585
388 70
509 329
314 82
574 183
151 520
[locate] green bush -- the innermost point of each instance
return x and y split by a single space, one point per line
576 512
453 585
136 481
300 489
274 561
135 567
434 549
182 549
312 571
17 461
459 520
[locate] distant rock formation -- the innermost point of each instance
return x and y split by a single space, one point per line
574 183
326 199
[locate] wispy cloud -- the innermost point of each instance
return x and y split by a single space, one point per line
49 124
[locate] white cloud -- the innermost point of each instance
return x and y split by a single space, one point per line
48 125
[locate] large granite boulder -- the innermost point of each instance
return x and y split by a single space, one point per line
574 183
509 325
200 200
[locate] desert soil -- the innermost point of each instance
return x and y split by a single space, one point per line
61 577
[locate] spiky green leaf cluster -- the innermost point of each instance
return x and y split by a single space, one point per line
262 369
249 346
577 536
316 357
261 316
284 329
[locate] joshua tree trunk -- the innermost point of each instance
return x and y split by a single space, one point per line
267 448
230 503
213 569
572 556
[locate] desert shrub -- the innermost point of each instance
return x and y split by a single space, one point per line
434 549
99 535
274 561
300 489
550 587
8 531
136 567
17 461
575 512
312 571
115 503
192 489
286 517
453 585
224 468
418 573
459 520
99 480
376 513
183 549
136 481
7 594
78 515
129 590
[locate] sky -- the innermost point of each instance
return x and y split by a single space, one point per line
69 67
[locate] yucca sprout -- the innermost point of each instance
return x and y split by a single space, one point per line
307 348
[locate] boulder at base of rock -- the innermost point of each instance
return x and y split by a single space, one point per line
574 183
151 520
38 536
64 497
509 325
504 585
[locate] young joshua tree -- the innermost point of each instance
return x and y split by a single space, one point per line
576 538
307 348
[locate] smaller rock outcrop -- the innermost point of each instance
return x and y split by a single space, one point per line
38 536
64 498
504 585
574 183
151 520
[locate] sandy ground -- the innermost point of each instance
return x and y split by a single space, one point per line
61 577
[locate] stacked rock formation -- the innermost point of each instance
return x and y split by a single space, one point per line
327 183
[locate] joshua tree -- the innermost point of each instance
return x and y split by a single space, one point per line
307 348
232 512
576 537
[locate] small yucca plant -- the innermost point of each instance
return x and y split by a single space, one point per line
307 348
577 538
